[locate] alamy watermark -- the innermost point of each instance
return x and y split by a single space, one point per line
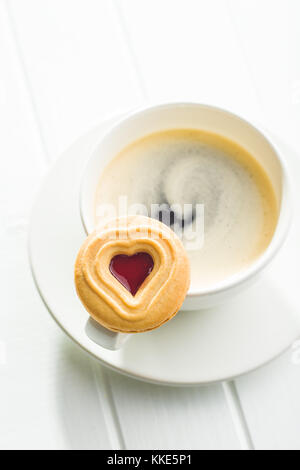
186 220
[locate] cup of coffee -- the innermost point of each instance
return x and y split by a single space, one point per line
213 177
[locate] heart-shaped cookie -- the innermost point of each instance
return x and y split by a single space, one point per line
132 274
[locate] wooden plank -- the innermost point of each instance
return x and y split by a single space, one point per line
187 50
270 399
77 65
48 393
156 417
269 35
268 32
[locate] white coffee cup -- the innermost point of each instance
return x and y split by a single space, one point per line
195 116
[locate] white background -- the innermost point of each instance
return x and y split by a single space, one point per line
65 65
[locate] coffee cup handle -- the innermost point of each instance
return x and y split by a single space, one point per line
103 337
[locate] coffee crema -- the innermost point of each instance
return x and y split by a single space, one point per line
195 167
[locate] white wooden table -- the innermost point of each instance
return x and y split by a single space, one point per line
65 65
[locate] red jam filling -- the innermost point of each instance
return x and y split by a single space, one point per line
131 271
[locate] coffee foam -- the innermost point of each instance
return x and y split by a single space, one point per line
197 167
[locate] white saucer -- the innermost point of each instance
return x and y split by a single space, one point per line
195 347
